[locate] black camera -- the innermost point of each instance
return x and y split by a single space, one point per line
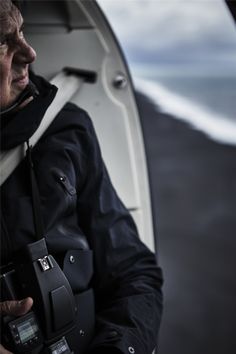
35 273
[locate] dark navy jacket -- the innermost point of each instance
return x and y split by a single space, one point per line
84 218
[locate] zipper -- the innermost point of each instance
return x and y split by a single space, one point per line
64 181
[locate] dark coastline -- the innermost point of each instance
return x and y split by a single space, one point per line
193 184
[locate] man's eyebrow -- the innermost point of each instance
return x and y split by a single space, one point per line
12 32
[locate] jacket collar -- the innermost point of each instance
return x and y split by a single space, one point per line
20 126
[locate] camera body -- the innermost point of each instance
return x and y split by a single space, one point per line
35 273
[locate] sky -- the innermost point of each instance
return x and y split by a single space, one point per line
198 32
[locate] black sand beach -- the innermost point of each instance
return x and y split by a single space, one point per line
193 183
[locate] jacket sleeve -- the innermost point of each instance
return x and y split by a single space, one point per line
127 280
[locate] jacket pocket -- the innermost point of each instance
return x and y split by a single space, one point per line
63 180
78 268
80 338
64 196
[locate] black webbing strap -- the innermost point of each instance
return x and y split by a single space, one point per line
38 219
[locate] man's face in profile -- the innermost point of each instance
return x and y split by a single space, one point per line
15 54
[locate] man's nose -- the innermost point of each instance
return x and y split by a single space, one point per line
24 54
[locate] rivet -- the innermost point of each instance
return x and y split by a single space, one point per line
72 259
82 333
120 81
131 350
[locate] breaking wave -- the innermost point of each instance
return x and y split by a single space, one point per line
212 124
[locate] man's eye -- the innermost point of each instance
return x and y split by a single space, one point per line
21 34
3 41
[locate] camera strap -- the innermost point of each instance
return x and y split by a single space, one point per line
38 219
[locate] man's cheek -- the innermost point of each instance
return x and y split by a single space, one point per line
3 51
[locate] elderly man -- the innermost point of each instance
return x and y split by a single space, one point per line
114 277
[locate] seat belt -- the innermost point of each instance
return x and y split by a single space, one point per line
68 82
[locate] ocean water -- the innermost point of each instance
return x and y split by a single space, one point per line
207 103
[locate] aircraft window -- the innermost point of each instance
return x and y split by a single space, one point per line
185 53
182 56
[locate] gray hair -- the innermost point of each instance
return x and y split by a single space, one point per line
7 8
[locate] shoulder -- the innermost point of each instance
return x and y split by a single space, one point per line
72 116
73 129
67 144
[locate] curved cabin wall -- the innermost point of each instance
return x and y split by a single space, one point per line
75 34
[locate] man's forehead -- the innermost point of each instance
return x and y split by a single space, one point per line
11 21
